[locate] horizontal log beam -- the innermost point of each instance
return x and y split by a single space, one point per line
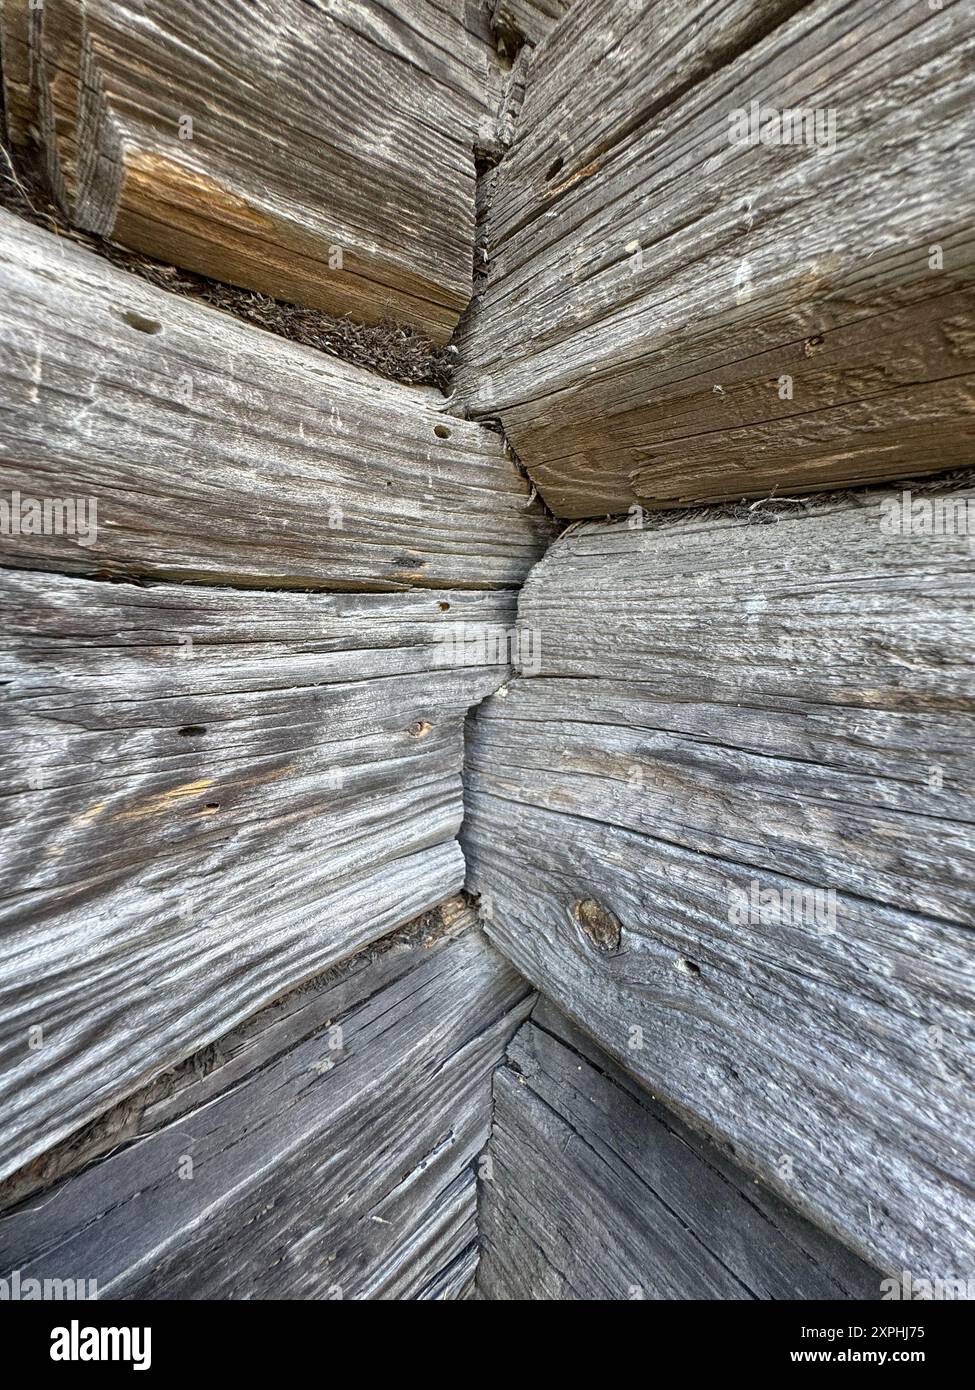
211 795
320 153
726 825
216 453
690 299
594 1191
323 1150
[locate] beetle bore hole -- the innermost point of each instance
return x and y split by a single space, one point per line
191 730
441 431
554 168
689 967
140 323
443 607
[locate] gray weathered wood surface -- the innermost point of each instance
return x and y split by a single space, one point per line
526 21
671 317
216 452
210 795
329 160
721 704
332 1143
232 1057
594 1191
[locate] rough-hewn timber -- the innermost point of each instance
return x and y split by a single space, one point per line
526 21
676 315
727 824
318 151
324 1150
728 828
215 452
210 795
594 1191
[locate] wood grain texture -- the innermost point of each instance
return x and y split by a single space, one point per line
210 795
332 1144
526 21
597 1192
221 454
675 317
247 1047
329 157
724 709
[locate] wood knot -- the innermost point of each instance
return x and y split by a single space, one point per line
598 923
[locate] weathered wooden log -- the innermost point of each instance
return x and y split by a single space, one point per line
526 21
215 452
592 1190
741 265
209 796
324 1150
317 151
727 827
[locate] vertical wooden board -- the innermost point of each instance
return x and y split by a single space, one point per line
210 796
726 825
595 1191
326 1151
676 312
248 143
205 450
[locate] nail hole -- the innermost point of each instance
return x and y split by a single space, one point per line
598 923
554 168
140 323
191 730
441 431
688 967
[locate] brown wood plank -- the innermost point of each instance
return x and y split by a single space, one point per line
320 152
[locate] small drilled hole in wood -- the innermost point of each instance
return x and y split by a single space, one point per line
554 168
598 923
191 730
140 323
441 431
